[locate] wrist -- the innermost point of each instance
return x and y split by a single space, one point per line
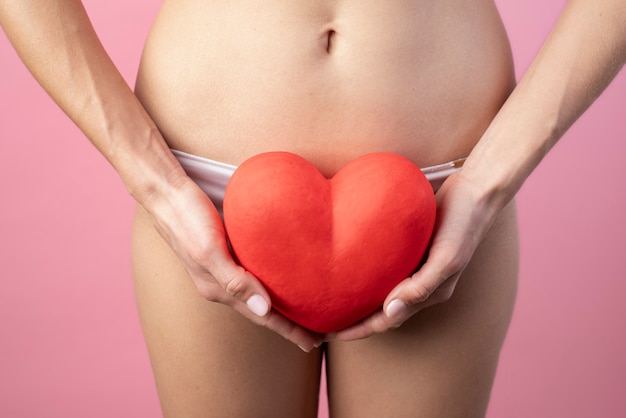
148 168
498 169
516 141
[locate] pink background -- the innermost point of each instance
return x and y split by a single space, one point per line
70 342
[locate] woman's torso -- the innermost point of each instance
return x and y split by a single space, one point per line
329 79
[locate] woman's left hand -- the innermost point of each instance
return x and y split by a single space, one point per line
464 216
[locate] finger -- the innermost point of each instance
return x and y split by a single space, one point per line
304 338
242 286
245 293
208 260
274 321
426 288
444 265
376 323
407 298
393 315
216 266
417 293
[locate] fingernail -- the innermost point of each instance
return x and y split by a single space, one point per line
395 308
304 349
258 305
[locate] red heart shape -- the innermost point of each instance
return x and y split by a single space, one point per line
329 251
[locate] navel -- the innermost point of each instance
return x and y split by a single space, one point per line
330 38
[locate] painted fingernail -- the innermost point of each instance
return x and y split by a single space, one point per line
395 308
258 305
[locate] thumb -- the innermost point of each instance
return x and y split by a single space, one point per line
241 285
433 283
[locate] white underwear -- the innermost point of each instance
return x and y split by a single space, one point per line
212 176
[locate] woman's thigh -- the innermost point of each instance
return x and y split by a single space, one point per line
442 362
208 361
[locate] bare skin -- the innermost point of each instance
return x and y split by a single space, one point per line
333 81
329 80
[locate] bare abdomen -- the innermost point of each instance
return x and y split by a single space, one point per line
328 80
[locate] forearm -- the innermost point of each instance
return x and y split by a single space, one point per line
59 46
584 52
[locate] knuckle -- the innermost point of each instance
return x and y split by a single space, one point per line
290 333
375 327
202 253
392 326
420 293
236 286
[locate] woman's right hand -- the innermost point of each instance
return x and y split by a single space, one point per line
189 222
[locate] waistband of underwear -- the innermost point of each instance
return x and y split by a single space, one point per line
212 176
